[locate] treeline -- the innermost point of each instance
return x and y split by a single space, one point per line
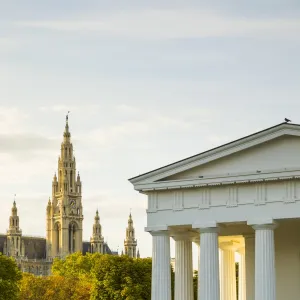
81 277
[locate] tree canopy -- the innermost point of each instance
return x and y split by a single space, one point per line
93 276
9 278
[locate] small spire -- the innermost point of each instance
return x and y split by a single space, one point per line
97 216
67 132
130 218
14 203
14 208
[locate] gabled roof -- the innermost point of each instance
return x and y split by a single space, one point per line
220 151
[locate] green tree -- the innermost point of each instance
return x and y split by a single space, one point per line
54 287
122 278
9 278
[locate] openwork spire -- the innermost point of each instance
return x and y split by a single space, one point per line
67 133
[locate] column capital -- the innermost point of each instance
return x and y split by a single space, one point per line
159 233
265 226
203 225
183 235
209 230
158 230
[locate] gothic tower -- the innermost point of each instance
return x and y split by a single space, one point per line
130 242
64 211
14 245
97 240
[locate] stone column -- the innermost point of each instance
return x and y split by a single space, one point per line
183 267
265 277
161 268
209 261
228 278
242 274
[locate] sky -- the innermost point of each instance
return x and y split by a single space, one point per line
147 83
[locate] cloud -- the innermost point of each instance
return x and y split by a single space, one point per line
12 120
25 143
8 44
164 24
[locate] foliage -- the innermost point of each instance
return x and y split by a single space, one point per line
9 278
92 276
122 278
54 288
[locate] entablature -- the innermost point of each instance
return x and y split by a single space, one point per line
226 179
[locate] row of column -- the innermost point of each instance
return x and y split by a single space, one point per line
209 268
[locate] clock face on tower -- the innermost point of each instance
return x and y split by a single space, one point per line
72 203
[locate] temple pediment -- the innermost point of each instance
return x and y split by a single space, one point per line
271 152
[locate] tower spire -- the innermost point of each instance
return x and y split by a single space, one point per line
65 209
130 243
67 133
97 240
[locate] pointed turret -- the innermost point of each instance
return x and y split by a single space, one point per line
14 233
97 240
130 242
138 254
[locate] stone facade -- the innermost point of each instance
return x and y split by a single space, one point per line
64 222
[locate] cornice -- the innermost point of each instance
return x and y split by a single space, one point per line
234 179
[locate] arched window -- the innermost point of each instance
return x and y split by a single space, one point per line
13 222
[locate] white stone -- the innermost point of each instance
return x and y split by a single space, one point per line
161 268
209 261
183 268
265 276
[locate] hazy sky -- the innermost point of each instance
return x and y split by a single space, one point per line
147 83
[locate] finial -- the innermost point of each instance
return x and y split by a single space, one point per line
67 117
15 200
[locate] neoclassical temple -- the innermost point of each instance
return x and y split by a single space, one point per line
64 221
239 201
